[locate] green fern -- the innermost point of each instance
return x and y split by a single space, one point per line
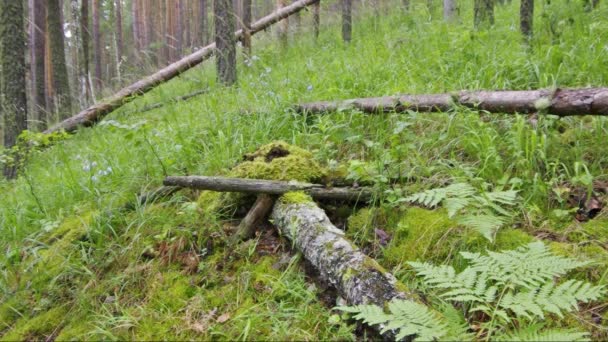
484 212
512 285
534 333
405 317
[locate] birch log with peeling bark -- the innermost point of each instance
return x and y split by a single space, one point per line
358 278
96 112
261 186
562 102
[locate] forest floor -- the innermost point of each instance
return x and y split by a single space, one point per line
77 263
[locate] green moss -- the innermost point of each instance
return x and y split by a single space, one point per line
296 197
594 272
170 292
593 230
40 327
11 310
76 330
275 161
509 238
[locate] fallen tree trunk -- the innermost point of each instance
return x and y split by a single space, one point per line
96 112
177 99
358 278
562 102
260 186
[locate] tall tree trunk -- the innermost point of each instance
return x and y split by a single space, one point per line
84 48
283 27
97 45
484 12
37 62
297 19
316 19
14 104
406 5
62 98
203 33
449 10
526 17
347 20
225 41
119 42
247 27
136 24
179 28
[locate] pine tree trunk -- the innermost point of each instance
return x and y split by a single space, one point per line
14 104
526 16
484 12
247 27
283 27
449 10
347 20
62 98
97 46
84 48
316 19
297 19
203 25
136 25
179 28
38 69
406 5
119 42
225 41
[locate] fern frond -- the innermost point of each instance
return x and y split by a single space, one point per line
545 336
406 317
485 224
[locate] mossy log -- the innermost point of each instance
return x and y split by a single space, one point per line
561 102
91 115
358 278
271 187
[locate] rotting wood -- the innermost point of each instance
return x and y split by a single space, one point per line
177 99
91 115
561 102
259 210
358 278
271 187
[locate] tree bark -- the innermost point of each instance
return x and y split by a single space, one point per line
85 53
449 10
526 17
283 27
561 102
225 42
271 187
484 12
97 45
96 112
358 278
203 26
247 27
14 103
316 19
261 208
347 20
61 83
136 24
38 69
179 29
119 42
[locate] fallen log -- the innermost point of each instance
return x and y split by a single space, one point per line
562 102
358 278
177 99
271 187
91 115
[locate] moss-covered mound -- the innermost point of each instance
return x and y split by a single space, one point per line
277 160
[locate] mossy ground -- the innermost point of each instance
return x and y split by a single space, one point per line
162 271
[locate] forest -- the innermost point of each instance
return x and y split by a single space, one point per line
409 170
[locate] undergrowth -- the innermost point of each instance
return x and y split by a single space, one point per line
75 257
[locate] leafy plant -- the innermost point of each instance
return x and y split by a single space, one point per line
517 285
406 317
482 211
